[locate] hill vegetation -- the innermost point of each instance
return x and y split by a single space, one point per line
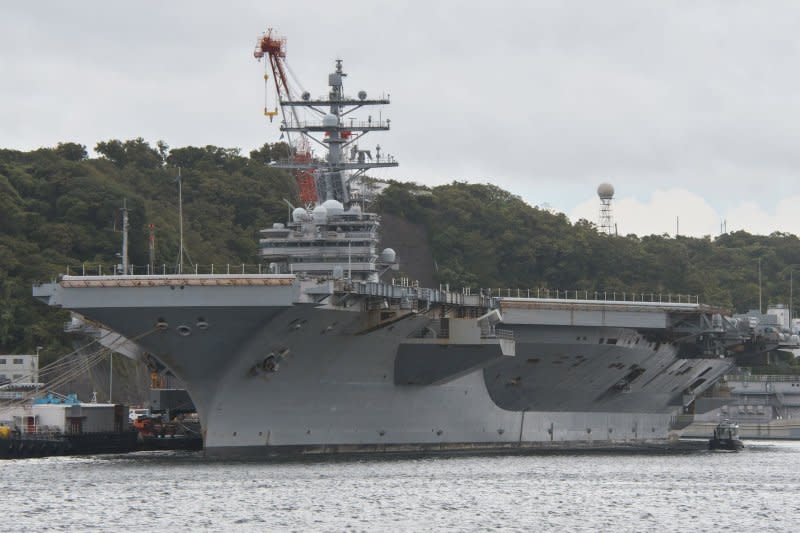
483 236
60 208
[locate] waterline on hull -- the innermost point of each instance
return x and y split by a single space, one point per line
384 451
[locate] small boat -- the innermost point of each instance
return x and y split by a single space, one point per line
726 437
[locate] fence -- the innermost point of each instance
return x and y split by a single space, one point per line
99 269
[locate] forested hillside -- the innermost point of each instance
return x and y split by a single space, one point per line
58 207
484 236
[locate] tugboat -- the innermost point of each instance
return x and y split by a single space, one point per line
726 437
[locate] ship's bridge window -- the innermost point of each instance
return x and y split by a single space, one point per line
2 361
17 361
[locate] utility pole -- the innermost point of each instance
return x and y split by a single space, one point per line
35 376
152 248
125 236
110 376
759 285
791 293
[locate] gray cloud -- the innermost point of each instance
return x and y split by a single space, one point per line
543 98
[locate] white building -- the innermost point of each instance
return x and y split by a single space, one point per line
781 312
79 418
70 418
19 368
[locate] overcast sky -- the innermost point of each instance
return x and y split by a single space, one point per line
690 109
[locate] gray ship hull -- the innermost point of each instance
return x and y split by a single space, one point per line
332 386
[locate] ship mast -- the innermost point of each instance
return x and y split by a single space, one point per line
344 161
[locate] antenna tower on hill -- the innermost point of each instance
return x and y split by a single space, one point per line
606 223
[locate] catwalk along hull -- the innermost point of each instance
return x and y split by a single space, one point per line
282 366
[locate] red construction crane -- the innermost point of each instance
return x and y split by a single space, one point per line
274 48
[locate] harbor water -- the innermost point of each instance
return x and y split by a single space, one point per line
754 490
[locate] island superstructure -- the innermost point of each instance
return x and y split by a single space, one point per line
336 232
319 352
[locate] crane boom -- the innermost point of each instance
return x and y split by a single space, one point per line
274 48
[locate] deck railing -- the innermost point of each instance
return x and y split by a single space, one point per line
602 296
223 269
764 378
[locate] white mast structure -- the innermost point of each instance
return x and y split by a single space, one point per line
330 235
334 129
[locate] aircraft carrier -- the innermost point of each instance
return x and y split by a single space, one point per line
321 351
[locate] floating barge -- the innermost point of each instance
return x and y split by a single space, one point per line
64 426
20 446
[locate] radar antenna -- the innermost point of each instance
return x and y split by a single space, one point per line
605 191
326 178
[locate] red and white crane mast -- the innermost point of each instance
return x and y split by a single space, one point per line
274 48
